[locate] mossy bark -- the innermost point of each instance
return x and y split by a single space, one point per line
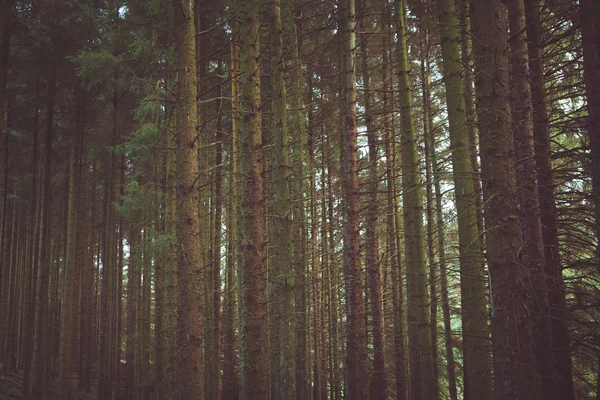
473 280
420 347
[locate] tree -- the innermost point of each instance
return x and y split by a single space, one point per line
253 282
189 305
355 352
514 372
420 352
476 351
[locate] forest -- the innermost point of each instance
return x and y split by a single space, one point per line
300 199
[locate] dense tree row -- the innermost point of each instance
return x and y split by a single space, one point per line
300 199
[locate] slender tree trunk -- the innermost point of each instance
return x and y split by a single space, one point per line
377 385
30 319
132 301
533 245
189 297
283 211
448 341
392 227
476 345
67 316
39 352
253 283
5 12
230 378
70 274
514 371
591 69
300 133
547 203
356 385
467 79
420 353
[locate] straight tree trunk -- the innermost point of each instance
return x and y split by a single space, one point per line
392 227
591 69
230 378
441 246
356 385
189 296
377 384
422 383
133 285
39 354
30 319
283 211
70 275
541 133
300 132
514 371
474 315
5 13
526 173
253 282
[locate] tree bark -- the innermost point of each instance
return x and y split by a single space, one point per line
533 245
547 203
70 274
283 211
420 352
476 345
253 283
189 296
356 387
514 371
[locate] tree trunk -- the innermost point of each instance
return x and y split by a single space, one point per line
5 12
189 297
283 211
253 283
420 352
514 371
356 387
377 384
591 69
476 345
39 352
533 245
70 275
547 203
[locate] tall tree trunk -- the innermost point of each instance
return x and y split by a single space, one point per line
283 211
189 296
541 132
441 246
420 354
377 384
533 245
230 378
514 371
591 69
253 283
392 227
5 12
467 78
300 133
39 352
356 385
133 285
70 274
476 345
30 319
